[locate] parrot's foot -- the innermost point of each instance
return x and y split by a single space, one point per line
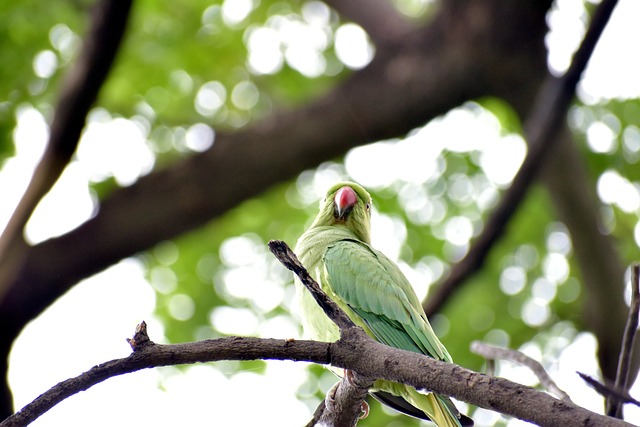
330 401
348 375
364 408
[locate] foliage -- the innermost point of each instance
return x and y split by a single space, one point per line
530 290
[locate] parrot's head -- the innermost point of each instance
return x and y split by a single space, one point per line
347 204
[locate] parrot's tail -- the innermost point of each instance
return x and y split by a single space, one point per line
440 409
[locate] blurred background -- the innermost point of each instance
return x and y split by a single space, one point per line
197 77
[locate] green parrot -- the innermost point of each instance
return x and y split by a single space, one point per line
375 294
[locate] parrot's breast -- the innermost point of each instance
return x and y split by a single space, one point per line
310 250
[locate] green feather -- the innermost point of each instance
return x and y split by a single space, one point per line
375 289
372 290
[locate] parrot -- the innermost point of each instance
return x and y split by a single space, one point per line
372 290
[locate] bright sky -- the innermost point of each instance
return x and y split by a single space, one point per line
125 298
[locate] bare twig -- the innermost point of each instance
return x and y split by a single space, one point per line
623 376
541 130
492 353
285 255
619 395
79 91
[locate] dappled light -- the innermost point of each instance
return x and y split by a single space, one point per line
104 143
192 77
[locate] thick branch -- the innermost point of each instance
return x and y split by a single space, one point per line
541 130
381 362
378 18
436 69
344 403
79 91
600 265
154 355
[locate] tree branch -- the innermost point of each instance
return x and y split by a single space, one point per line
465 58
541 129
609 392
492 353
623 376
154 355
600 265
419 371
79 91
342 405
285 255
378 18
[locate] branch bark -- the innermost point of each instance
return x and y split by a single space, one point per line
470 49
381 362
601 267
79 91
342 406
623 375
541 131
379 18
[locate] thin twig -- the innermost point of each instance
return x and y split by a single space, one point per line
541 130
285 255
342 405
492 353
617 394
623 376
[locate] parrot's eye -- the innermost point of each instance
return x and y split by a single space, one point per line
368 206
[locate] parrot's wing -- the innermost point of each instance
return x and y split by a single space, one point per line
377 291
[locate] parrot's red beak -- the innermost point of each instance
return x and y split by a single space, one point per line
344 200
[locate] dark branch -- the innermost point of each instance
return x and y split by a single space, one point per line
416 370
609 392
341 406
623 380
378 18
79 91
541 129
316 414
492 353
153 355
464 61
285 255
